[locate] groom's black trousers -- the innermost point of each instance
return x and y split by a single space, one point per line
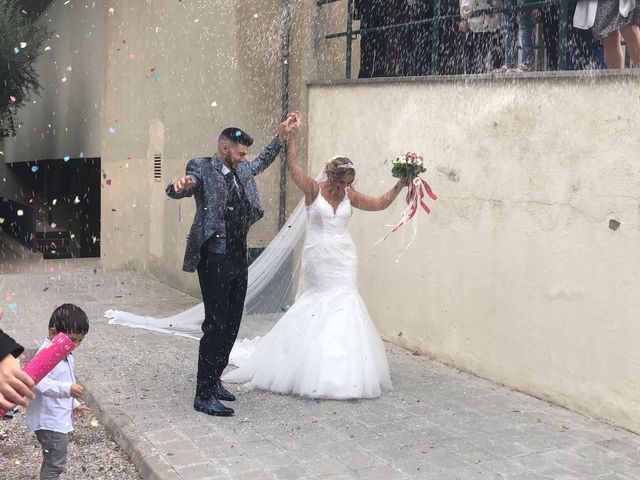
223 283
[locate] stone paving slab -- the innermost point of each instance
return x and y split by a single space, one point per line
437 423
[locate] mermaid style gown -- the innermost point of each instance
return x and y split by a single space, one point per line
325 345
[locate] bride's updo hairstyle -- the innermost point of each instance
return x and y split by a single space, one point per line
338 167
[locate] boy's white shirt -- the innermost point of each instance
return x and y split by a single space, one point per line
53 406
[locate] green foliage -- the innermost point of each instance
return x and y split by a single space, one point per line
407 170
18 78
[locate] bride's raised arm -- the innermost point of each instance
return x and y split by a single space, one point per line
372 204
303 181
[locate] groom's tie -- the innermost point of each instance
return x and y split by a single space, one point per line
229 177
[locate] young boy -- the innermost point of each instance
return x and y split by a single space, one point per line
50 415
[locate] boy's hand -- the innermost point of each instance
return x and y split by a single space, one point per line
14 384
77 391
82 412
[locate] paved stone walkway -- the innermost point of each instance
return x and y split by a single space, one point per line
438 423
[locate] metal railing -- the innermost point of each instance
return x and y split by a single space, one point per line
437 19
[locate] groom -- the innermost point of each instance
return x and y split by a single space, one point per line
227 204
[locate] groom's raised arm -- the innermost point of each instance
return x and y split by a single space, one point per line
267 156
270 152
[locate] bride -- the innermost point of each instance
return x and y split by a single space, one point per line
325 345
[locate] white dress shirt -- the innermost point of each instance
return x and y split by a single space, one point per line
53 406
225 171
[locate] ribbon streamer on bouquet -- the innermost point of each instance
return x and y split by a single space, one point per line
416 192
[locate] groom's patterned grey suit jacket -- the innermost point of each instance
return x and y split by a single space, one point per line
211 193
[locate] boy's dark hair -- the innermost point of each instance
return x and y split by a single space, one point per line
235 135
69 318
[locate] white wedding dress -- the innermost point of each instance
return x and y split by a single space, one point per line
325 345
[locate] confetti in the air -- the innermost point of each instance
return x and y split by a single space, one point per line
20 213
12 98
66 158
23 44
76 200
34 169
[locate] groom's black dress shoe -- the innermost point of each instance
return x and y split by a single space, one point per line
212 406
222 393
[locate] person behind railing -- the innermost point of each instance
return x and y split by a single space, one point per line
371 14
381 51
582 52
514 21
417 56
451 45
483 41
608 21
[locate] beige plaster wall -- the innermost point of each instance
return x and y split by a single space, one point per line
163 78
172 82
516 275
65 118
174 78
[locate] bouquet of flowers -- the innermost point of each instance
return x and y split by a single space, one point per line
409 166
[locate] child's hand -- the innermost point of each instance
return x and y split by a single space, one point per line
77 391
82 412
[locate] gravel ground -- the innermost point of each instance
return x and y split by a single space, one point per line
92 453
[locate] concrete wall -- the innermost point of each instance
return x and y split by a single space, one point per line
519 274
164 78
65 118
174 78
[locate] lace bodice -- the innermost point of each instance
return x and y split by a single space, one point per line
322 220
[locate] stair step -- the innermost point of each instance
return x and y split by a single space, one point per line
53 256
59 242
51 235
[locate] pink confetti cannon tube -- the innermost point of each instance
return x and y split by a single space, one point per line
46 359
